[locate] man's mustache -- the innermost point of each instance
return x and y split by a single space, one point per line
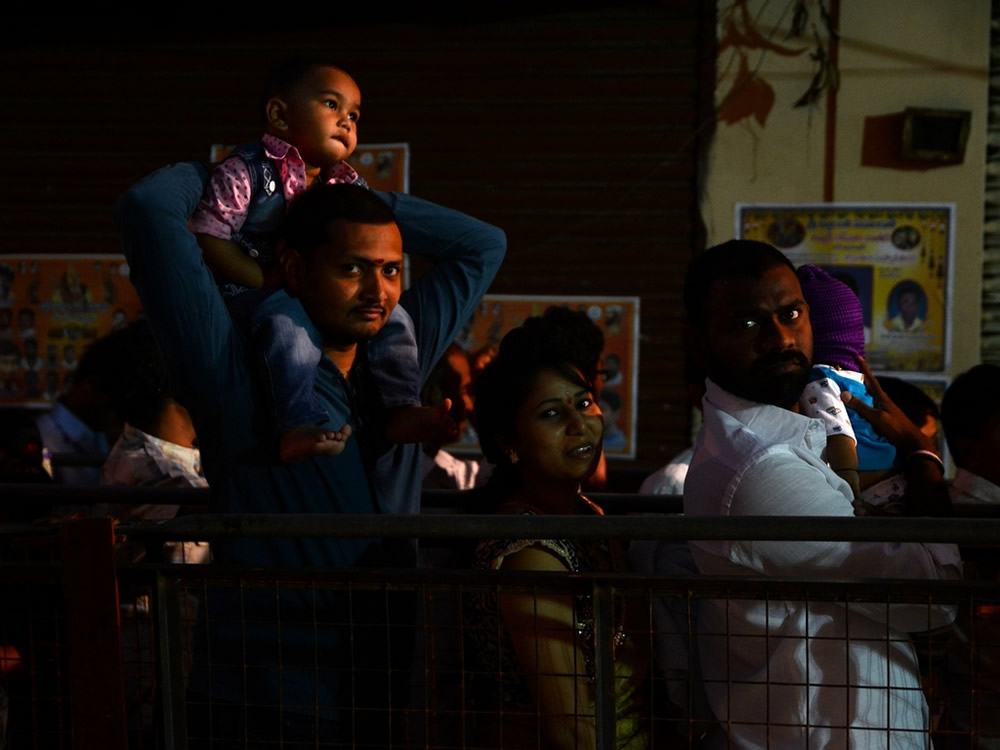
783 358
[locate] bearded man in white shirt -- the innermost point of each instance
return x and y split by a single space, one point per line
795 674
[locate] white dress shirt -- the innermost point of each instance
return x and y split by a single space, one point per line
792 674
971 489
669 479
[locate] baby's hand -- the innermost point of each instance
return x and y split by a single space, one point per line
889 421
309 440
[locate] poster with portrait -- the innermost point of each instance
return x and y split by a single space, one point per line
618 319
896 257
384 166
51 308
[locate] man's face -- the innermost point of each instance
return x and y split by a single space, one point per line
321 117
757 340
457 386
909 306
350 284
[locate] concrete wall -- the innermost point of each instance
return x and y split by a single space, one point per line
892 54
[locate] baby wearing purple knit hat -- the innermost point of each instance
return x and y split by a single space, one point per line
854 450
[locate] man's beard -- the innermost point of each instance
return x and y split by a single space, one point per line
761 384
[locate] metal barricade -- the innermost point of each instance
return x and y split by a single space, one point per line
165 610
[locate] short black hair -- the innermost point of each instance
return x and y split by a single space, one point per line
970 402
735 259
291 72
307 224
916 404
145 389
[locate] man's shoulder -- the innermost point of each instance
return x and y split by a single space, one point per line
744 447
971 489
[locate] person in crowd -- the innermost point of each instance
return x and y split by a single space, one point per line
540 426
611 408
970 414
796 674
858 454
82 423
451 379
344 245
312 110
918 407
669 479
157 447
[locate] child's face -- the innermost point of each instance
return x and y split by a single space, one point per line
320 117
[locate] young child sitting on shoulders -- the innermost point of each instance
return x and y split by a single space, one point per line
312 110
854 450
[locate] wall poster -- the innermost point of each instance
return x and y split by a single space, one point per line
896 257
617 317
51 308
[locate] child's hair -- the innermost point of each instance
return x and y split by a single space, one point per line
838 324
291 72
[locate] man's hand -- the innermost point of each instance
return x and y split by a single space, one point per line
926 492
889 421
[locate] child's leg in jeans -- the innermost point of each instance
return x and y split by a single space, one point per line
290 350
396 370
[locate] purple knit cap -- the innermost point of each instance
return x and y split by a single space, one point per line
838 324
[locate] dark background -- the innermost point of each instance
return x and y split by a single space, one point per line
578 130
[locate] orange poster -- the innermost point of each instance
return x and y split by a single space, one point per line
51 308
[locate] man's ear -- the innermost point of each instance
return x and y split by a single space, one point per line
276 111
293 266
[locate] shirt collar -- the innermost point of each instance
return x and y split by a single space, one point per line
189 458
277 149
972 488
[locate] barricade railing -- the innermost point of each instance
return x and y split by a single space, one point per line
69 595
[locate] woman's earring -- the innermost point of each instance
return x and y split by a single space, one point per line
512 455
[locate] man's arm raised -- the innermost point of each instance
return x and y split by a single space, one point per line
178 292
466 254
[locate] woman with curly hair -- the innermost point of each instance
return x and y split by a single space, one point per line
540 425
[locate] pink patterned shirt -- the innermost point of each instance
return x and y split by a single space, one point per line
223 207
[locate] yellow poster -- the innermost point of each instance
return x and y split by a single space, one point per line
896 258
51 308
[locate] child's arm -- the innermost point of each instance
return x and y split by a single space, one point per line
229 264
842 455
223 210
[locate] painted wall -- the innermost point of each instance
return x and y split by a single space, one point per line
892 54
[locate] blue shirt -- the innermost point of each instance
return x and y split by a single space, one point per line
207 362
